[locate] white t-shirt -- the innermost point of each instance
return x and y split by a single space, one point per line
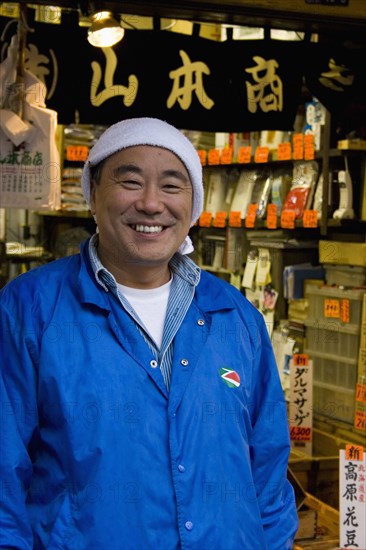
150 305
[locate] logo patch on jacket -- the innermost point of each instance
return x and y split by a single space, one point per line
230 377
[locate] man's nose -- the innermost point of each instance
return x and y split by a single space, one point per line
150 200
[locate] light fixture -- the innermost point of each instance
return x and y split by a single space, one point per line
104 31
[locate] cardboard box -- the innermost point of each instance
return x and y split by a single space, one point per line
308 520
340 431
352 144
346 253
318 522
327 535
307 517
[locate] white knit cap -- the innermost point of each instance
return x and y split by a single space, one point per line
147 131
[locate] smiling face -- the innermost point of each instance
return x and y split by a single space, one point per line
143 205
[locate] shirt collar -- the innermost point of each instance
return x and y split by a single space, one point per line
180 265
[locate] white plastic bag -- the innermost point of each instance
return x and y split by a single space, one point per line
30 170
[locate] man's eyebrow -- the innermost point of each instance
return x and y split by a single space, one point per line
123 169
176 174
126 168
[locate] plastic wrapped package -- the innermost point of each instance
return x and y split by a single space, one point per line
281 183
261 192
299 198
216 191
243 192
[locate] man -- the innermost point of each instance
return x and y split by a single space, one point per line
142 408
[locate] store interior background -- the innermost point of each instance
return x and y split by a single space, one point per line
30 238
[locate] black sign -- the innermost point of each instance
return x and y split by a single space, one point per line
192 82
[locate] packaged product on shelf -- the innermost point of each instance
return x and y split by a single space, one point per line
212 249
72 198
318 197
271 139
216 191
258 193
333 194
281 183
345 207
315 120
243 192
235 249
261 192
299 198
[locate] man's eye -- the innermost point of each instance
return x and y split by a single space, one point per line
171 187
131 184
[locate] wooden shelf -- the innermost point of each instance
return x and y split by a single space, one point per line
353 225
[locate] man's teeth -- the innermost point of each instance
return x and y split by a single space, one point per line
148 228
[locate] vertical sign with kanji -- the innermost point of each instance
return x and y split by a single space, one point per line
352 503
301 402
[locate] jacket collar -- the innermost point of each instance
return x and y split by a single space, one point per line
211 297
90 290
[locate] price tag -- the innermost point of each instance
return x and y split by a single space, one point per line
309 152
284 151
244 154
203 156
220 219
205 219
298 140
308 140
288 219
360 420
298 146
235 219
332 308
271 216
361 393
345 311
77 153
301 401
226 155
352 503
251 215
301 360
310 218
354 452
298 433
298 153
214 156
261 154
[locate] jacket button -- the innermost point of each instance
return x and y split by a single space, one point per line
188 525
184 362
153 364
201 322
181 468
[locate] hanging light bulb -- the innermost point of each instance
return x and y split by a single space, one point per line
104 30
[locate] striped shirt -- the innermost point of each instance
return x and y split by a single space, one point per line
186 275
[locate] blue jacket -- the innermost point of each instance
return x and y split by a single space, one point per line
97 455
